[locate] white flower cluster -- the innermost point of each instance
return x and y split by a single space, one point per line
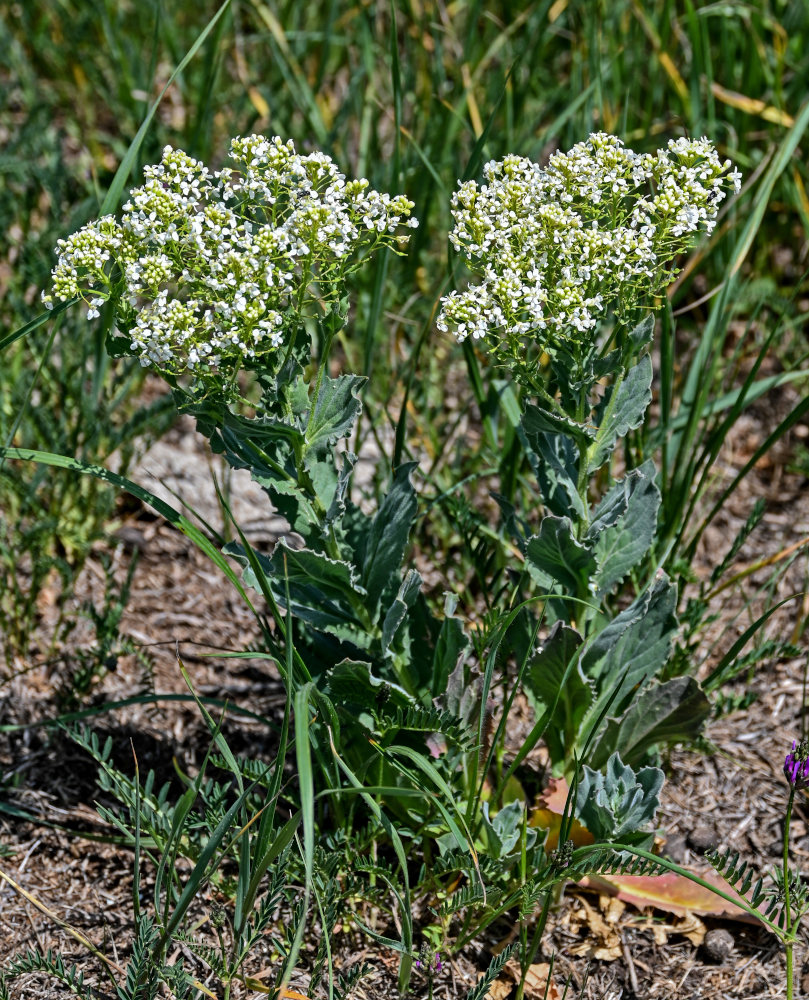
596 228
211 269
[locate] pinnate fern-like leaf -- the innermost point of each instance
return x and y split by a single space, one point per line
51 964
479 991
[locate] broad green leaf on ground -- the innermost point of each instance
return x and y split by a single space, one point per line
554 556
624 526
623 410
672 712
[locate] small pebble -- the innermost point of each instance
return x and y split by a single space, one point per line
718 945
702 838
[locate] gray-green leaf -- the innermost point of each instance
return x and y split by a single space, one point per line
624 410
334 413
618 802
672 712
624 526
382 548
554 556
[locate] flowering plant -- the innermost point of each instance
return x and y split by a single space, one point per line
211 275
212 272
557 248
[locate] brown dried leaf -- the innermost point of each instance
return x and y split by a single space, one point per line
603 941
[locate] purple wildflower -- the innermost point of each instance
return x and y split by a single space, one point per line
796 765
437 962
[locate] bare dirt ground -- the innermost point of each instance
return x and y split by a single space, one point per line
734 795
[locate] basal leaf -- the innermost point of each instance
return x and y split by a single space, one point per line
618 802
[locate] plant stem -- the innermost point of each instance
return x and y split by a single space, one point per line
788 942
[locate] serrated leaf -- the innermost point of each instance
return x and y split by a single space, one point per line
352 686
550 674
623 411
554 459
624 526
672 712
554 556
408 591
382 548
337 506
642 334
633 647
320 588
538 420
450 647
334 413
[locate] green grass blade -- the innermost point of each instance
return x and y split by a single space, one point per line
113 197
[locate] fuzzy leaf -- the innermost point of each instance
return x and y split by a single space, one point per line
624 526
633 647
618 802
334 413
623 410
352 686
397 612
547 676
381 549
641 335
502 833
555 556
672 712
450 646
320 588
554 459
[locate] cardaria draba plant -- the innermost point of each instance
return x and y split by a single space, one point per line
556 248
210 275
215 271
568 260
